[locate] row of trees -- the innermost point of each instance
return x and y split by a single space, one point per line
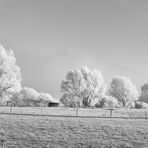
29 97
85 88
81 88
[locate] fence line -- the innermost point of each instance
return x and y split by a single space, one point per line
76 112
66 116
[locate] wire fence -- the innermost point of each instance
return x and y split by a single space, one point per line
77 112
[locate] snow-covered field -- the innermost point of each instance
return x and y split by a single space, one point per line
45 132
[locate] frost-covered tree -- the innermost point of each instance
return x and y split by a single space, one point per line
45 97
82 86
70 101
10 75
123 89
16 99
108 102
30 97
144 93
30 93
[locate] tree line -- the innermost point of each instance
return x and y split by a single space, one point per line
82 87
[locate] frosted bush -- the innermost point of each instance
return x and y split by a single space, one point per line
108 102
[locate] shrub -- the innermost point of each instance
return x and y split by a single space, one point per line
70 101
108 102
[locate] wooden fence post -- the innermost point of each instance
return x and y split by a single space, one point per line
11 109
111 113
41 110
77 111
145 113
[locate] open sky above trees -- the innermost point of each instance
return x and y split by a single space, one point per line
51 37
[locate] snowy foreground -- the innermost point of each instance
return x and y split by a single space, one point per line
37 132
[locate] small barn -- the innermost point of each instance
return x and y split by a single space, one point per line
53 103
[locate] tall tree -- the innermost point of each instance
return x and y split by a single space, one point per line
82 86
123 89
10 75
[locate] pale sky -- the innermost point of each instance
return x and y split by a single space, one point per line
49 37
